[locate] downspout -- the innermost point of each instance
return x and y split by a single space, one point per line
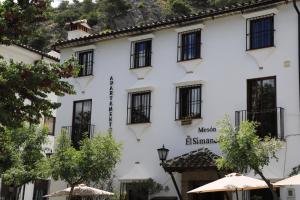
298 13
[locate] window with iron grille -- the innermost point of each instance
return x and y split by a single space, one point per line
260 32
188 102
138 107
141 54
86 60
49 122
189 45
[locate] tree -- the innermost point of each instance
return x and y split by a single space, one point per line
94 161
21 156
24 89
243 149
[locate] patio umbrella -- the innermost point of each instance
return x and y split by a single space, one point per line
231 183
294 180
80 190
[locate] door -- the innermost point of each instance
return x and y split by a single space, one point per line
204 196
261 105
81 121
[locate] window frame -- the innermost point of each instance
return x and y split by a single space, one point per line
147 108
249 31
53 126
84 67
180 45
178 115
148 54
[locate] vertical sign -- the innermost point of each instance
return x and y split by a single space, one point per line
110 107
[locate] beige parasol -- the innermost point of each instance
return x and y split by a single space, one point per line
80 190
230 183
294 180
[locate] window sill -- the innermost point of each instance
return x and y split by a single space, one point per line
260 49
198 118
190 65
137 68
92 75
138 123
141 72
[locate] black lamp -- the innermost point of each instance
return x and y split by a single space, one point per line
162 153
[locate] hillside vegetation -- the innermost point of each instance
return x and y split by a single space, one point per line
111 14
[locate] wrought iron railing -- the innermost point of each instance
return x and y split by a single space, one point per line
78 132
270 121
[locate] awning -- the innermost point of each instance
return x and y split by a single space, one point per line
137 173
140 85
189 79
200 159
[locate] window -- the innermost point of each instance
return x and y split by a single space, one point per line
138 107
141 54
189 45
49 122
40 189
262 104
260 33
81 121
188 102
85 59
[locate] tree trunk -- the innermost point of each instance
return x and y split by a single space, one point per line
71 192
275 197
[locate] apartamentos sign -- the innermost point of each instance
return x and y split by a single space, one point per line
110 107
199 140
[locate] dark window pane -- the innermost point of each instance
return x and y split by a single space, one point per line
140 107
40 189
85 59
262 105
142 54
262 32
190 45
49 122
190 102
81 120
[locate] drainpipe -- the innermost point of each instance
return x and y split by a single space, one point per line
298 13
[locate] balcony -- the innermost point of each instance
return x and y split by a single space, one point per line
271 121
77 132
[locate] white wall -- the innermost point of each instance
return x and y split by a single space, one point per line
225 68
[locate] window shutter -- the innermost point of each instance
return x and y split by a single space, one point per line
198 44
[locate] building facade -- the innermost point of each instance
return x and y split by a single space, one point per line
26 54
169 82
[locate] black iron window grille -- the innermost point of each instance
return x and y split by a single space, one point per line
189 45
141 54
260 32
188 102
138 107
86 60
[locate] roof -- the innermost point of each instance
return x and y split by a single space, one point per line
29 48
168 22
199 159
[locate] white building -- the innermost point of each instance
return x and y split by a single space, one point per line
26 54
170 81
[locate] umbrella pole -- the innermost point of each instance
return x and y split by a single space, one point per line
237 195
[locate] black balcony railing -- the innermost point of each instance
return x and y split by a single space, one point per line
78 132
270 121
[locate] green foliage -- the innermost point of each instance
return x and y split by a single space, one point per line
295 171
243 149
24 89
93 162
21 155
